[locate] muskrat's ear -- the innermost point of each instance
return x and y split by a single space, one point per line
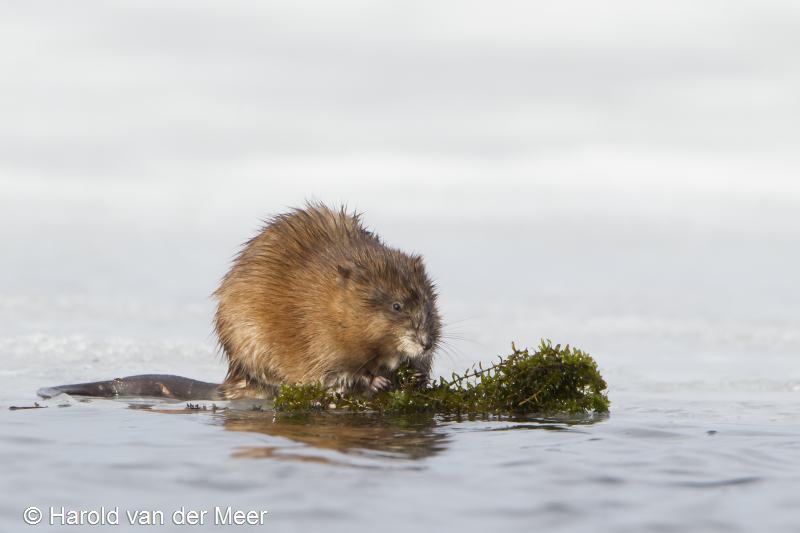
351 272
344 272
416 262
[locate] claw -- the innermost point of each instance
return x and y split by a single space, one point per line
379 384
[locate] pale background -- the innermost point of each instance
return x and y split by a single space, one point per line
622 176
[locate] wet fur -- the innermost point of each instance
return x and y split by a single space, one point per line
309 299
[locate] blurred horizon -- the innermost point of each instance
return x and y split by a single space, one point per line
140 89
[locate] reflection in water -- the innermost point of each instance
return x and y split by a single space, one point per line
369 435
399 437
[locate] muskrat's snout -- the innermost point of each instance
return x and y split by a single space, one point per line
425 340
414 344
425 337
428 334
418 341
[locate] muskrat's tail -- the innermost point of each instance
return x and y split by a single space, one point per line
149 385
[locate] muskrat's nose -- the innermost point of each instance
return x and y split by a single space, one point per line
425 341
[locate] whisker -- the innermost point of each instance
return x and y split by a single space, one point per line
458 338
452 353
451 322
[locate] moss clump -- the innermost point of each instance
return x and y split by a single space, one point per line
552 379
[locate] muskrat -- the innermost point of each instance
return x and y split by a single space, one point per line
314 297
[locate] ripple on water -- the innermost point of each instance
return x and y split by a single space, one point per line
718 482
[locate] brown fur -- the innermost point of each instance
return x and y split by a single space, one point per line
312 299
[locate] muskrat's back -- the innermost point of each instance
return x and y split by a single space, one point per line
315 297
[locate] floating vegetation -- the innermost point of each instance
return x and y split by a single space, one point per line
201 407
552 379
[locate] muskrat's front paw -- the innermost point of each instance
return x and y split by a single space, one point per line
379 384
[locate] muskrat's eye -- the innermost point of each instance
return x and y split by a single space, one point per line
397 306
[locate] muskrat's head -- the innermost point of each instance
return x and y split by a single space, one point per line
397 303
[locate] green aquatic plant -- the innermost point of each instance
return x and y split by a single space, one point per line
551 379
